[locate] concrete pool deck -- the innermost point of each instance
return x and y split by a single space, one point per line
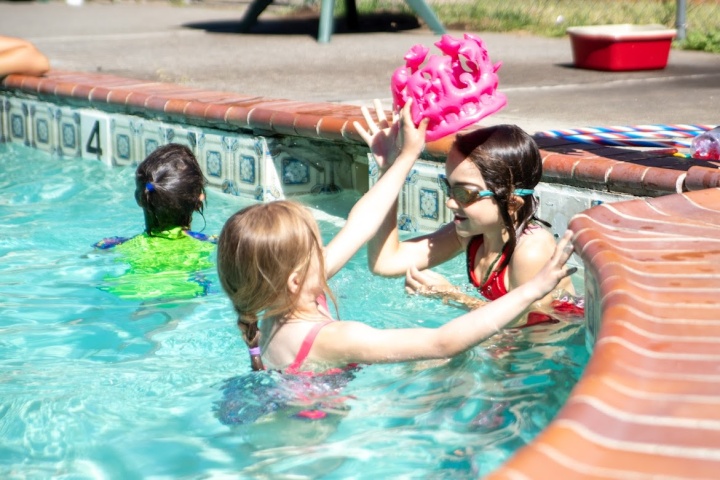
648 404
195 46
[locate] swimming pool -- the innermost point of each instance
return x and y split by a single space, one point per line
94 386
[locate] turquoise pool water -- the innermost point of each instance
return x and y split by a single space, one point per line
92 386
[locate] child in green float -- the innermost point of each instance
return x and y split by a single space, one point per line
167 259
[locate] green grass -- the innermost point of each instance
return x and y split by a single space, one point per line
551 17
706 42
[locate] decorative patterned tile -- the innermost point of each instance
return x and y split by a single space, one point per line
184 135
301 176
151 135
295 171
248 158
247 169
44 121
69 135
302 167
422 201
18 122
215 159
124 140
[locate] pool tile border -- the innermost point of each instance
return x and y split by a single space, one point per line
648 404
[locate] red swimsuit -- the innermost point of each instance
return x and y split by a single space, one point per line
494 287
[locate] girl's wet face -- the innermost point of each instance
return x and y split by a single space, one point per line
478 216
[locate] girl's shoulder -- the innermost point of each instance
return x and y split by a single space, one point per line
170 234
535 232
534 248
535 243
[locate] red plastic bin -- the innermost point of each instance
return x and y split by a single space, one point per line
621 47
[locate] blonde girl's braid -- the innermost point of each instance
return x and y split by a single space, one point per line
248 325
259 248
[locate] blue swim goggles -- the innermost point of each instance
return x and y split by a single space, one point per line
466 196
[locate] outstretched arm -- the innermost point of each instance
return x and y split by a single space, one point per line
384 142
369 212
20 56
346 342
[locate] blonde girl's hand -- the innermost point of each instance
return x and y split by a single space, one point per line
382 137
412 138
555 269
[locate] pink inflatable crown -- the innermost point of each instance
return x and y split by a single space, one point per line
454 90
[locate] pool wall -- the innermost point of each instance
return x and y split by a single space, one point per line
647 228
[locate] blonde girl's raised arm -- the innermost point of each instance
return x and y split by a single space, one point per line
357 342
369 212
387 255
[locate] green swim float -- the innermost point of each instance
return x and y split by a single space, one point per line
165 265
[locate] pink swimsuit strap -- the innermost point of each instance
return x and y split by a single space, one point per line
305 347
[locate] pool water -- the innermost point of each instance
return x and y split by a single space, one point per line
94 386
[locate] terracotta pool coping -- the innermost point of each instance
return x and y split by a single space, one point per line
648 404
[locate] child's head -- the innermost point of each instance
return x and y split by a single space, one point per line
260 248
169 186
509 160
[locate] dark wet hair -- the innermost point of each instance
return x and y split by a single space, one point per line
168 187
508 159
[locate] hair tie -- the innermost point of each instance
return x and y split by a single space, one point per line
255 351
521 192
150 187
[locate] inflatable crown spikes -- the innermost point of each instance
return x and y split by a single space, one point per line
454 90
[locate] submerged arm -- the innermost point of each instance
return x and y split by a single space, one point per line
433 285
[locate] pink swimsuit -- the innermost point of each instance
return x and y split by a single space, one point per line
307 344
294 369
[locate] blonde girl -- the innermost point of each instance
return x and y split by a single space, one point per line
274 269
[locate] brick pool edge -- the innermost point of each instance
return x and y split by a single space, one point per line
648 403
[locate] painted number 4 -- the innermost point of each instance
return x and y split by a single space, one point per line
93 144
